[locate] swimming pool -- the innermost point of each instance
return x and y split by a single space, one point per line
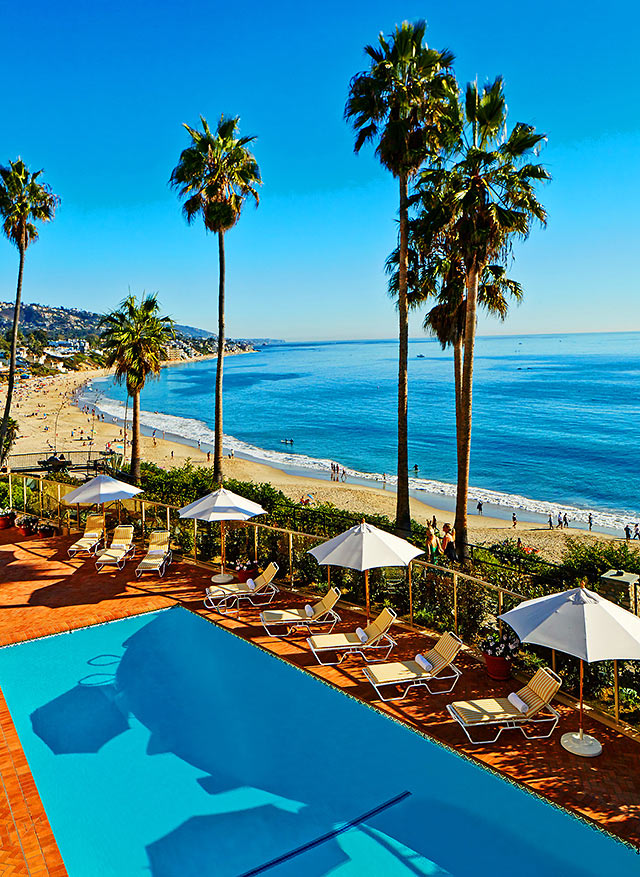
164 745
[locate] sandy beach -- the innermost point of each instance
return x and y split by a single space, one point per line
42 403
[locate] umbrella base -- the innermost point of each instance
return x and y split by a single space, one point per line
586 746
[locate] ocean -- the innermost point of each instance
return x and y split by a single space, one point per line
555 419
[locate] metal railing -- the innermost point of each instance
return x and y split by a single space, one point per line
437 597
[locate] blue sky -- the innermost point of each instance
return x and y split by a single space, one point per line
98 92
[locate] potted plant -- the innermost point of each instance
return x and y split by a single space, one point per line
27 524
498 649
6 518
46 529
246 570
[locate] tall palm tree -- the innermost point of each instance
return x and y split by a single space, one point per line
216 173
403 103
491 189
24 200
134 339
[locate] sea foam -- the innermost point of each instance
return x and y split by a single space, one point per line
192 431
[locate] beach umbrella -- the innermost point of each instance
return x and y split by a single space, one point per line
101 489
581 623
222 505
365 547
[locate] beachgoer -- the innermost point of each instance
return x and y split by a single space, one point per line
565 520
384 480
172 455
636 529
627 532
434 523
590 519
514 519
550 522
415 468
560 520
344 474
208 456
479 506
519 544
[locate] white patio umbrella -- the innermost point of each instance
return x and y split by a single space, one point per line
101 489
222 505
365 547
581 623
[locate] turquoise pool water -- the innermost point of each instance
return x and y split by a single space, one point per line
164 746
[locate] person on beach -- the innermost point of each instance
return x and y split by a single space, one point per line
514 520
479 506
565 521
559 520
344 474
590 520
636 531
208 456
434 523
384 480
551 522
627 532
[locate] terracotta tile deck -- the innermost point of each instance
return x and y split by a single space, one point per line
42 592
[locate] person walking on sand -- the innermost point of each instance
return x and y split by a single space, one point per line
344 474
565 521
479 506
550 521
590 520
636 531
627 532
559 520
514 519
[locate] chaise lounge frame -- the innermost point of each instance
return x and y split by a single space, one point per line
158 556
226 599
297 619
120 550
349 644
410 674
92 537
538 692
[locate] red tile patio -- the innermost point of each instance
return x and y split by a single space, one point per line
43 592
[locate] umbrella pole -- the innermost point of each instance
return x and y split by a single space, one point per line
366 588
581 732
221 546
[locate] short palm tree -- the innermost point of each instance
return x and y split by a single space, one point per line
215 175
403 103
134 338
24 200
491 194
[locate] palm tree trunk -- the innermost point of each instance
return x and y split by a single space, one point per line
457 387
135 437
464 441
403 513
217 450
12 361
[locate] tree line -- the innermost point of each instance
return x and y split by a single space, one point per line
466 192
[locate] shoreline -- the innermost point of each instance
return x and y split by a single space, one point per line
39 402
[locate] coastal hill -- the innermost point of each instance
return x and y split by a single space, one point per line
70 323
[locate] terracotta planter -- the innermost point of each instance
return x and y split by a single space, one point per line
6 521
498 668
26 531
47 532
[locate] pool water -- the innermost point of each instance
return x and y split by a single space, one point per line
162 745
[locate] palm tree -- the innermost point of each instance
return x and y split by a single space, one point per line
24 200
216 173
134 339
491 193
405 102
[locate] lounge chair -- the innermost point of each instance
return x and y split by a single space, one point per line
435 666
500 713
319 615
119 551
158 555
224 598
372 640
93 533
